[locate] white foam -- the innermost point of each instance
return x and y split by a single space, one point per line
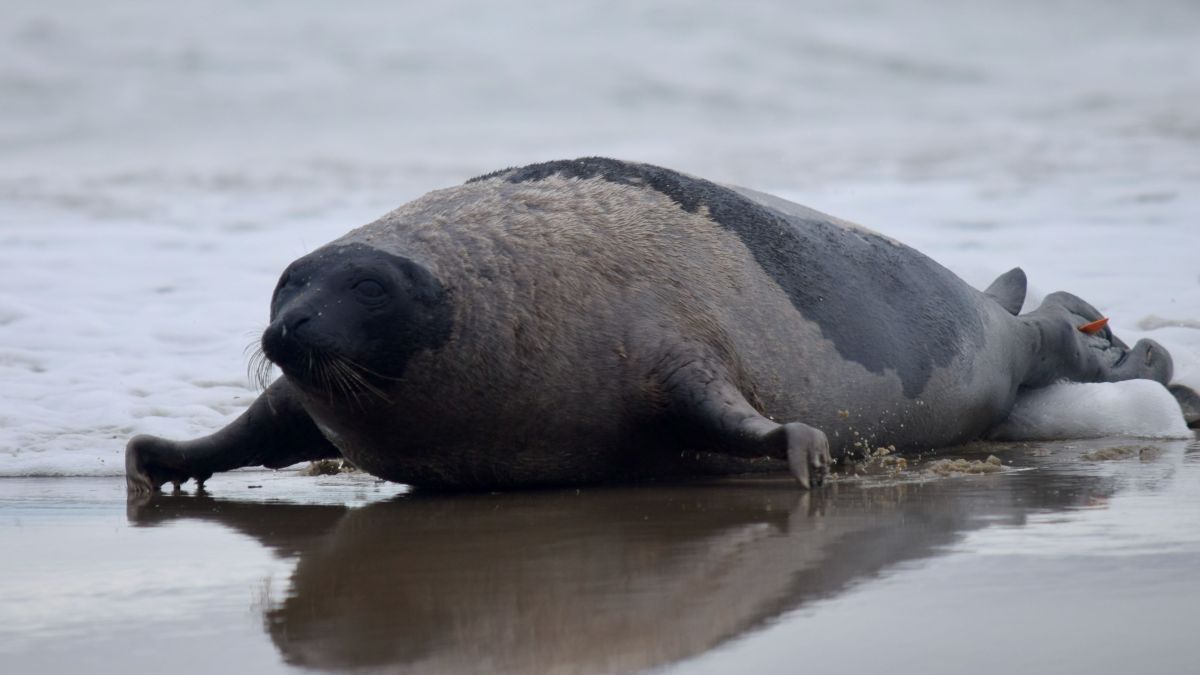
1136 408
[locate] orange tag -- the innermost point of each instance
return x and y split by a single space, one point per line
1094 327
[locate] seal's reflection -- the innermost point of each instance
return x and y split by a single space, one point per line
616 579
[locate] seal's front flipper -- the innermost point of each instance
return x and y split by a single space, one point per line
274 432
1008 290
1189 403
719 417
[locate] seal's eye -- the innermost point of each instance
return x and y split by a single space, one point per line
369 290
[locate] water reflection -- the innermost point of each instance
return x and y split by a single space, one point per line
613 579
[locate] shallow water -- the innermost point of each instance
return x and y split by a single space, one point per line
1062 562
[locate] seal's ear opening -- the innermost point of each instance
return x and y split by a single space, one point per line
1189 403
424 286
428 309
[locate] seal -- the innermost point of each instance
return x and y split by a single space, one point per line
596 320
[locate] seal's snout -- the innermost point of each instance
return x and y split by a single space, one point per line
283 340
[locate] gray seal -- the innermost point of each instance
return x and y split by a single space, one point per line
595 320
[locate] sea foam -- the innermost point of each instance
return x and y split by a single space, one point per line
1139 408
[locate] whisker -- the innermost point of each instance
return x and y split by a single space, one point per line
348 384
367 370
352 381
332 375
322 373
258 367
336 379
351 370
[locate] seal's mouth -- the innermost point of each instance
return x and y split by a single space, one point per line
324 373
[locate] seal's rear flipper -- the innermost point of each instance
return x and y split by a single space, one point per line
1189 403
719 417
1074 343
1009 290
274 432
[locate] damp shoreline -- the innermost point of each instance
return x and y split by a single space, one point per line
1053 547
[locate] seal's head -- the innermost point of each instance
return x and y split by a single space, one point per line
346 319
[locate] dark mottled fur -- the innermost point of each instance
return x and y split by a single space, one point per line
892 285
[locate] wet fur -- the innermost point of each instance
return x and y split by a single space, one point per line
585 312
551 274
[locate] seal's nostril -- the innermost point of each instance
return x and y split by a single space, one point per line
294 323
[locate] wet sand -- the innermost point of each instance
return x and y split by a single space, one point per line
1077 557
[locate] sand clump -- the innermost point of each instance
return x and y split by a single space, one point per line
884 458
328 467
1146 452
950 467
